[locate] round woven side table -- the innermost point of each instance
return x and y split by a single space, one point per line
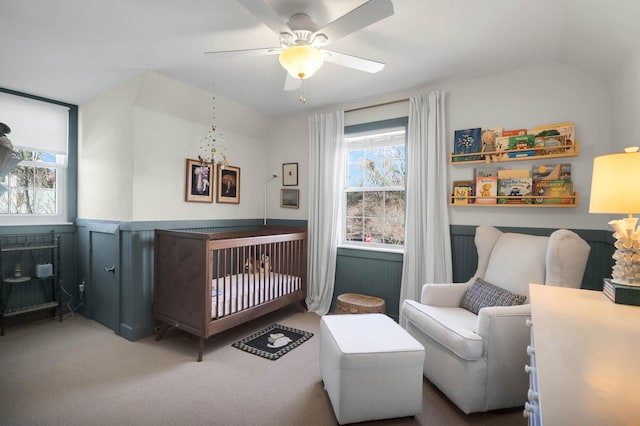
353 303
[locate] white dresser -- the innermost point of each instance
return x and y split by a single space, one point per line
585 359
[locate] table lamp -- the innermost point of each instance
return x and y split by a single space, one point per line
615 188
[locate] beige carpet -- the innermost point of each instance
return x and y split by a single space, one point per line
80 373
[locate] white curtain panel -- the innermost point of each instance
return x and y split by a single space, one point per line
427 244
326 172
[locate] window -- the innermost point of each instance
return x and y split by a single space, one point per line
36 191
375 183
32 186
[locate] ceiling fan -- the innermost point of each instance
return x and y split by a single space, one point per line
301 41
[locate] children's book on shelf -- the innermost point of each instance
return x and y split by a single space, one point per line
486 186
559 191
513 173
553 138
521 146
467 141
463 192
564 133
517 132
558 171
552 180
519 188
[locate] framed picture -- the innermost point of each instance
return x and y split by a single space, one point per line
199 178
228 189
290 198
290 174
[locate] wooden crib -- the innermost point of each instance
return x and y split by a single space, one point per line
206 283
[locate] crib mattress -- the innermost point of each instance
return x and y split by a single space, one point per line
235 293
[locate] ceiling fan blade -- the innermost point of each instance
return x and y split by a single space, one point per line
291 83
266 15
354 62
360 17
228 54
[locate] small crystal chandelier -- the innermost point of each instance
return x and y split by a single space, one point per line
213 146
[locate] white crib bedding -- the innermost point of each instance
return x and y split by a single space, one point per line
234 293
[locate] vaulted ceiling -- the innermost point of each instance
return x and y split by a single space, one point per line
72 50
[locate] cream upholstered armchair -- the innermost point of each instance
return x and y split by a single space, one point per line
478 360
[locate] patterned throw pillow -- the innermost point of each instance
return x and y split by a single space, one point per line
482 294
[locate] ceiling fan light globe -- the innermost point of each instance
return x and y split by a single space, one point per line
301 61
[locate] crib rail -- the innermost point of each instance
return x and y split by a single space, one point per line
206 283
254 270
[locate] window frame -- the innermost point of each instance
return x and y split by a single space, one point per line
362 128
66 194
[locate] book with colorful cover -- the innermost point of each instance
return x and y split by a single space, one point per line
467 141
502 143
486 186
520 146
463 189
517 132
551 144
565 129
561 191
554 138
461 194
558 171
517 187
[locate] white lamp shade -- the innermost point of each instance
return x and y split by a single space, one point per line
615 184
301 61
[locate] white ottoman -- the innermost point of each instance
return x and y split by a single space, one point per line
371 367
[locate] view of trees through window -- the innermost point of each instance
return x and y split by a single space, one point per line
376 187
31 186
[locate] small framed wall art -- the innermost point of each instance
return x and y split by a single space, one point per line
228 189
290 174
290 198
199 177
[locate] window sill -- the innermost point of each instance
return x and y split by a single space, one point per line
371 248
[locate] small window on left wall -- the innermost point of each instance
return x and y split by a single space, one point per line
35 191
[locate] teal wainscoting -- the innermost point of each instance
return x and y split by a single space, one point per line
465 259
357 271
375 273
123 299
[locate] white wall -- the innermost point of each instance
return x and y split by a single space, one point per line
526 97
135 140
105 168
140 135
289 143
626 105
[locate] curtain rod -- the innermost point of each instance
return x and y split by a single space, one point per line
378 105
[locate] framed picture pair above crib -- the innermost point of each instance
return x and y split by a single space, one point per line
200 183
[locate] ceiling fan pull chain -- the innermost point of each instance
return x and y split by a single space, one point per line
302 98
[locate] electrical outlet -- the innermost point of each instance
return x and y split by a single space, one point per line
81 287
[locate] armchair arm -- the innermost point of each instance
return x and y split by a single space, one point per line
443 294
505 320
505 337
